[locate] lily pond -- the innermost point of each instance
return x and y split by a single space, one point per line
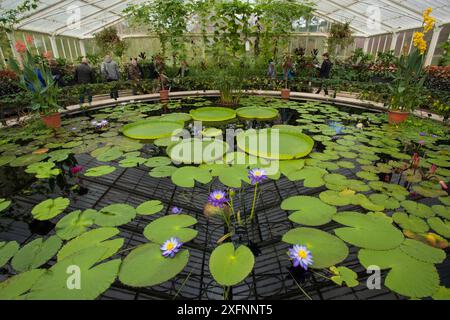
117 205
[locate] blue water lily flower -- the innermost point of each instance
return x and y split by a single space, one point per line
257 175
171 247
176 210
300 256
217 198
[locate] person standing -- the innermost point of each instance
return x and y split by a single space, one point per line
84 76
271 72
110 72
134 74
324 73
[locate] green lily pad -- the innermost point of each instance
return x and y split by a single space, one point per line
196 151
162 172
149 207
50 208
96 238
43 170
310 211
75 223
429 192
418 209
158 162
408 276
131 162
7 251
442 294
212 132
326 249
115 215
445 200
151 129
15 287
27 159
312 176
384 200
4 204
4 160
36 253
230 176
99 171
213 114
177 117
170 226
367 231
186 176
145 266
275 144
260 113
95 278
344 275
411 223
442 211
422 252
59 155
441 226
111 154
230 266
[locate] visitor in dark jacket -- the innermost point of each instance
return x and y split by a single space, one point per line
57 74
324 73
84 76
110 72
134 74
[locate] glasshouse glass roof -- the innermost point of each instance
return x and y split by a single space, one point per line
366 17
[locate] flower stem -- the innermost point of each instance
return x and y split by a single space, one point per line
252 214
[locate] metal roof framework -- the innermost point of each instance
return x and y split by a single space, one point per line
82 18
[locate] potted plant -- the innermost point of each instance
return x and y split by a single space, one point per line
406 90
37 79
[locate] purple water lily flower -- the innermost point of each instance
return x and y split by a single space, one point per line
171 247
176 210
422 134
217 198
300 256
257 175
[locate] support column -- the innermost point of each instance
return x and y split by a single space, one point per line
11 43
366 45
432 47
54 47
394 41
82 48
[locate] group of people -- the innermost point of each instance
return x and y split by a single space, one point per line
324 71
110 72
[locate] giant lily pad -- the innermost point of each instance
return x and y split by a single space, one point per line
310 211
50 208
36 253
326 249
115 215
151 129
275 144
260 113
171 226
196 151
213 114
367 231
229 266
408 276
145 266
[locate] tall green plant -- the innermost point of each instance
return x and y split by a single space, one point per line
109 42
37 79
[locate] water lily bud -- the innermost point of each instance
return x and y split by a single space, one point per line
443 185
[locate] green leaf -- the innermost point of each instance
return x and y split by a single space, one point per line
43 170
443 211
411 223
145 266
344 275
197 151
441 226
7 251
14 287
170 226
367 231
443 293
310 211
92 239
408 276
99 171
158 162
229 266
186 176
149 207
115 215
75 223
94 278
36 253
4 204
326 249
422 252
131 162
418 209
50 208
162 172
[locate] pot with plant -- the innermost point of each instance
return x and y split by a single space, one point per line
36 78
406 90
287 76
